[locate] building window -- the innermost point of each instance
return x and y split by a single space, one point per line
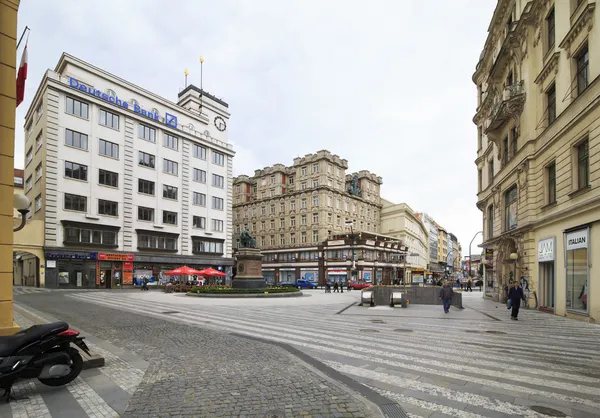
87 236
303 220
75 202
199 222
551 100
199 175
38 202
217 203
39 111
505 150
510 209
303 171
514 141
76 139
292 238
582 64
315 236
217 225
218 181
272 210
169 192
490 222
315 168
303 237
109 119
479 180
145 214
551 172
282 240
291 180
583 165
550 28
218 158
38 172
106 207
577 244
315 184
147 133
203 245
169 218
315 218
77 108
303 185
199 199
491 170
292 205
76 171
146 160
108 149
479 138
282 207
29 156
39 141
303 204
272 224
108 178
151 241
293 221
171 141
170 167
272 179
146 187
198 152
28 183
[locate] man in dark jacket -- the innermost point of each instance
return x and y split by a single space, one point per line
515 294
446 294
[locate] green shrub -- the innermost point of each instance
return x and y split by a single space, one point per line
229 290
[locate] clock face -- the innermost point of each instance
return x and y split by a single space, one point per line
220 123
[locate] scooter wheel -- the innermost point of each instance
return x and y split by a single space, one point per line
76 367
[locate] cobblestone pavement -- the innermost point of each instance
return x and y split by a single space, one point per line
468 363
193 371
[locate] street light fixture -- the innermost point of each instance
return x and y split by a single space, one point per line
470 260
21 203
353 268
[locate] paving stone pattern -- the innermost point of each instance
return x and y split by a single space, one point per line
199 372
449 365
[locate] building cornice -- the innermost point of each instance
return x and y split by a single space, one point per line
551 64
585 18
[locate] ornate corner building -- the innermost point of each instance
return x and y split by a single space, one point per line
538 153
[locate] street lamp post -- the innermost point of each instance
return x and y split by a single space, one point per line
470 261
21 203
353 268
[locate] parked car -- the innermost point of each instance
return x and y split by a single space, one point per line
359 285
305 284
286 284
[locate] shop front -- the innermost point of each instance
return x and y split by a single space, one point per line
310 274
269 276
417 275
71 269
287 275
547 277
337 275
577 262
114 270
367 275
154 268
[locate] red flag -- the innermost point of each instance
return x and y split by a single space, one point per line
21 77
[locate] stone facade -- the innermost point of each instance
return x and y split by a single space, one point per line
538 158
302 204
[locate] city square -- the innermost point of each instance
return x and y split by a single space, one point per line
291 209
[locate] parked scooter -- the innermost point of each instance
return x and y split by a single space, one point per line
41 352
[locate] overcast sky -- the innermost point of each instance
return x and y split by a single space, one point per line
386 84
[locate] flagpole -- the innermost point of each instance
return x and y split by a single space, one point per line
26 30
186 72
201 91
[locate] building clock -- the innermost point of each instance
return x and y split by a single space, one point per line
220 123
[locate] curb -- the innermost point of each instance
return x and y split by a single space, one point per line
89 362
246 295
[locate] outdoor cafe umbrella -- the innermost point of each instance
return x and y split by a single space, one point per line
211 273
183 271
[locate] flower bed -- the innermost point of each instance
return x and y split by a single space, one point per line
228 290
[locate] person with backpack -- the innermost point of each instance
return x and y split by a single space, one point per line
446 294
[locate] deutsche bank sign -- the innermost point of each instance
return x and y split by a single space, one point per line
170 120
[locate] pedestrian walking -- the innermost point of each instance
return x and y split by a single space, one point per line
446 294
145 283
515 294
335 286
469 284
327 287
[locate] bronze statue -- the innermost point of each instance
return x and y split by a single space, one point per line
246 240
353 189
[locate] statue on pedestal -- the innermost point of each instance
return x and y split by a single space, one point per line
246 240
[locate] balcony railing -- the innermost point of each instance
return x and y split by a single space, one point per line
510 104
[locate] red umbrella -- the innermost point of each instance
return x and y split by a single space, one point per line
184 271
211 272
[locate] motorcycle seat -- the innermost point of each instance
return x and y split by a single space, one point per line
9 345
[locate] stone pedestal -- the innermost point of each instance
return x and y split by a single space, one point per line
249 270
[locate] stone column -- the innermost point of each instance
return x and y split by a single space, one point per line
8 87
249 270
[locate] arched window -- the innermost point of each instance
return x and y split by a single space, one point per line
510 208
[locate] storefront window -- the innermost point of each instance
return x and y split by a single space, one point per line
577 270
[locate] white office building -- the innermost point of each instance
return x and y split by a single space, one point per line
127 183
